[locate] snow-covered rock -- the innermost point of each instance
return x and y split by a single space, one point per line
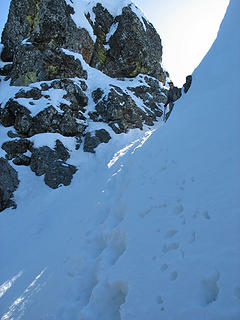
86 70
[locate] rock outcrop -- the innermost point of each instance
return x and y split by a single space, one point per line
126 46
8 184
68 122
85 82
51 164
33 36
187 84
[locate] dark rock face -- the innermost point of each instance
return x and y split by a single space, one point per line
152 97
15 148
187 84
52 164
97 94
70 122
31 65
36 31
133 48
92 141
47 25
34 94
56 93
44 160
8 184
16 115
122 113
6 70
22 160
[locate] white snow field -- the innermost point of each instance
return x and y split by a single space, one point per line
149 229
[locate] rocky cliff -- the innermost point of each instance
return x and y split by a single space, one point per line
78 70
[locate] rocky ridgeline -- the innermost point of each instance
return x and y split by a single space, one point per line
46 55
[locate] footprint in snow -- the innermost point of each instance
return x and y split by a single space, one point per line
96 245
182 217
159 300
193 237
206 215
164 267
237 292
209 289
178 209
171 246
171 233
173 275
117 246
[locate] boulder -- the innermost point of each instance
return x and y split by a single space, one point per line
22 160
14 114
23 123
33 37
69 126
70 122
61 152
11 134
42 160
120 111
44 121
77 98
134 47
8 184
16 147
34 93
187 84
33 65
152 96
97 94
59 174
51 164
6 69
93 140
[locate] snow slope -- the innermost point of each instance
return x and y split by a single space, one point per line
149 228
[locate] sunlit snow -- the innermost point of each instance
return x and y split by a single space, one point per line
149 227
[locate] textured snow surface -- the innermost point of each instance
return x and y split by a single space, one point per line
149 227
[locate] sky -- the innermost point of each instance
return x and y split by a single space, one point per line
4 6
187 29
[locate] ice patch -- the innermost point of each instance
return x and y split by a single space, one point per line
19 305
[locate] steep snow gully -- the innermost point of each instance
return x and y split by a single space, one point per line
149 228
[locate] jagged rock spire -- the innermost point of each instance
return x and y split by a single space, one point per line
37 30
